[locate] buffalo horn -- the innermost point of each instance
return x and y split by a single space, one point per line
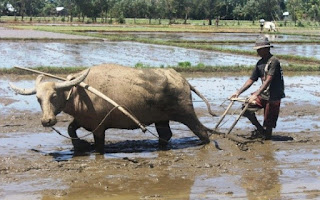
23 91
76 81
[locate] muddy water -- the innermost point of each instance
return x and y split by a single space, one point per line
36 163
31 54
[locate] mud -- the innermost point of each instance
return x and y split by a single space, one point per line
37 163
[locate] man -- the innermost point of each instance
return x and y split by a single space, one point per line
270 93
261 21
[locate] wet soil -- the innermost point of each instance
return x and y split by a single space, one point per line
37 163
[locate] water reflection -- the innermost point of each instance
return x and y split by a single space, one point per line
262 180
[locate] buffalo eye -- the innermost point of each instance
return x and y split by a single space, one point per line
53 97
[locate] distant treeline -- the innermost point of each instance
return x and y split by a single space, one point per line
211 10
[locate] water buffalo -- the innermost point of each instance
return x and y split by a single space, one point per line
152 95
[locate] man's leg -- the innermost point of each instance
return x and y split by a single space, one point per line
253 119
250 114
271 114
268 133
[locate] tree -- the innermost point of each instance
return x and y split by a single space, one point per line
2 7
208 9
159 10
250 10
295 9
238 12
171 8
314 11
270 9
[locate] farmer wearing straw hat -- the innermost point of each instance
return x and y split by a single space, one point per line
270 93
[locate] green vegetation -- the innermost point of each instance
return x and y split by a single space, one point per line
46 69
159 11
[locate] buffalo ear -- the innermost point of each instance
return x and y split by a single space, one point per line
73 82
39 79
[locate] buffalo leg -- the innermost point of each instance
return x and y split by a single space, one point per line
78 145
99 141
164 132
193 123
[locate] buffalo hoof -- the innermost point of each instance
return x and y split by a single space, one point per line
164 145
81 145
99 151
205 140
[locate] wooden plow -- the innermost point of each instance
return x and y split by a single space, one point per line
241 141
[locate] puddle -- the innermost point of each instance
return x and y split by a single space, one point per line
297 182
22 196
43 143
28 187
31 54
18 102
292 157
224 187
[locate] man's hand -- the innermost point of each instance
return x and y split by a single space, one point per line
235 95
252 98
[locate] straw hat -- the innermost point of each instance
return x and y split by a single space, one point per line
262 42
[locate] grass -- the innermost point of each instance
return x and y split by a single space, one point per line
46 69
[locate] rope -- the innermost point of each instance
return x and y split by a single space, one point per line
72 138
99 127
105 118
68 136
177 129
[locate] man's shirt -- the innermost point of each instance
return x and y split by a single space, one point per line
275 91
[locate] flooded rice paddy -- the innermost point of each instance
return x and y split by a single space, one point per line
37 163
31 53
